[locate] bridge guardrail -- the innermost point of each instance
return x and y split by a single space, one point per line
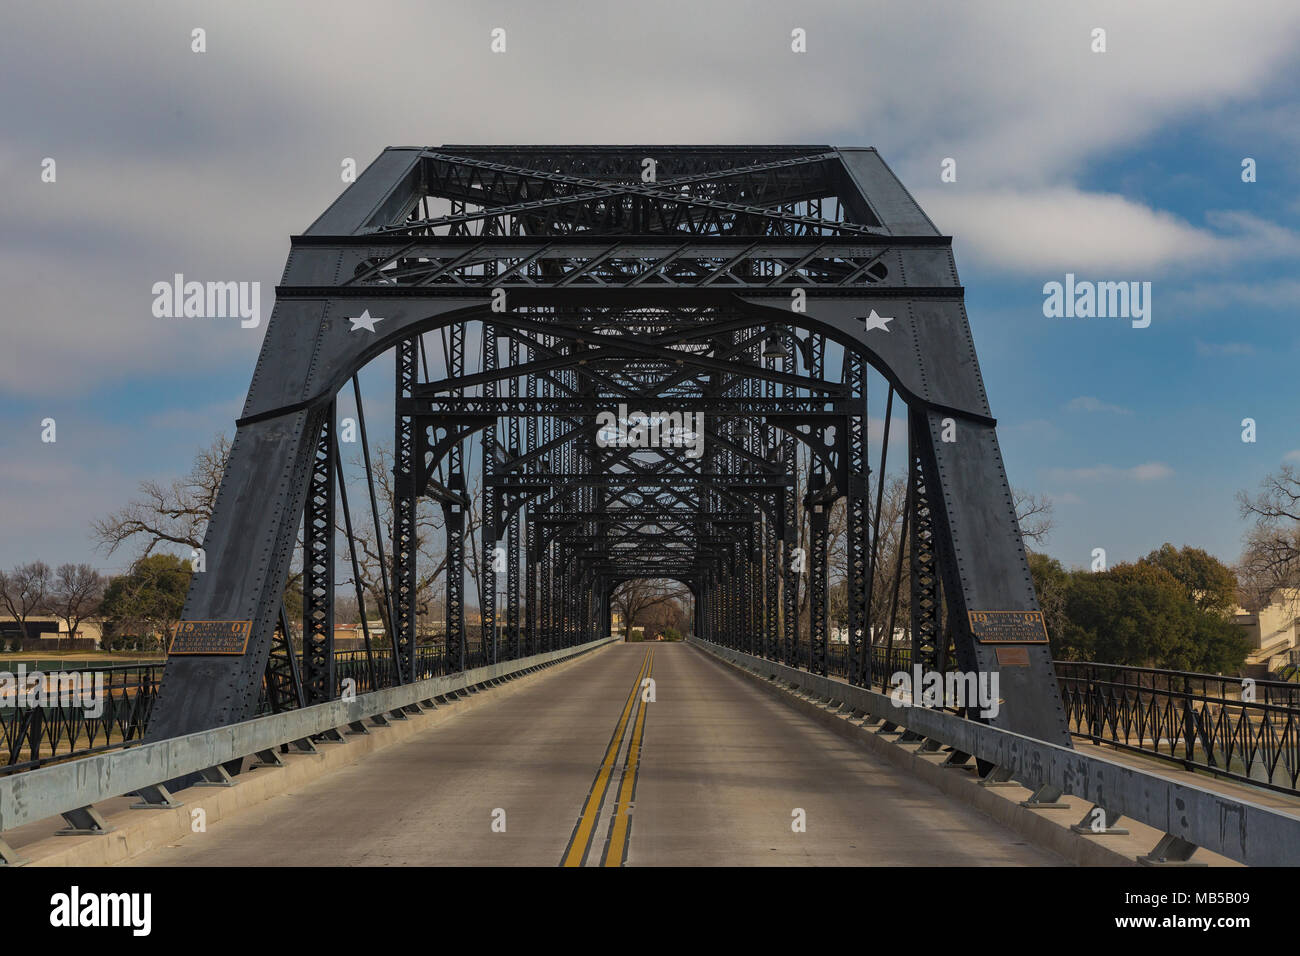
1188 815
71 789
1199 721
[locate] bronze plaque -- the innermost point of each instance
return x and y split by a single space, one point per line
211 637
1012 656
1008 627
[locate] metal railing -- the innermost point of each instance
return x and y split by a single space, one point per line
59 727
1243 730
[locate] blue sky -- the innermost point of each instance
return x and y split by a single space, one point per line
1079 396
1123 165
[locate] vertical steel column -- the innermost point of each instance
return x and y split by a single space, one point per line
924 568
856 503
818 539
513 650
547 586
790 530
318 569
454 515
527 515
754 444
771 590
818 521
771 545
405 467
546 628
487 526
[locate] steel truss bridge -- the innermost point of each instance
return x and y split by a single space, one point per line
798 319
524 291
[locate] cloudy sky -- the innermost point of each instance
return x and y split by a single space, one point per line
1118 166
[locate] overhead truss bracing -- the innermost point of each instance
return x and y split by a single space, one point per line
614 364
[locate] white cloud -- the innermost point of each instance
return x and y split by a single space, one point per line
1152 471
1268 294
897 430
174 161
1063 228
1219 349
1149 471
1088 403
205 164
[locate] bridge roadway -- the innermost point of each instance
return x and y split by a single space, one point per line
586 773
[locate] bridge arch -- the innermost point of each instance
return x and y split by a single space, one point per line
670 292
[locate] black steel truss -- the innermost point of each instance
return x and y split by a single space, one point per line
552 310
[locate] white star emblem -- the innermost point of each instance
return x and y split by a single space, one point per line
876 321
364 321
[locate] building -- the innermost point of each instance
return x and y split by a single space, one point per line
353 637
45 632
1272 632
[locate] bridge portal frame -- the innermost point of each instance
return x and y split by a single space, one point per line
729 232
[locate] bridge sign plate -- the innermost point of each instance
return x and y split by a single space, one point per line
211 637
1008 627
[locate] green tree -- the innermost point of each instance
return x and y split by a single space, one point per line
145 604
1207 582
1142 615
1052 584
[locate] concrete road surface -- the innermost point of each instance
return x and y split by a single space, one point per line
575 767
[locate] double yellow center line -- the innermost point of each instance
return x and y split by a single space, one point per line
583 833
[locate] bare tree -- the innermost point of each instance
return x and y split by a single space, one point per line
475 554
890 595
345 611
890 591
75 595
24 591
634 598
431 559
1034 512
671 614
1270 563
836 550
177 513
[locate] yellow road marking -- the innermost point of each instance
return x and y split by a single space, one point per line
587 822
622 817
